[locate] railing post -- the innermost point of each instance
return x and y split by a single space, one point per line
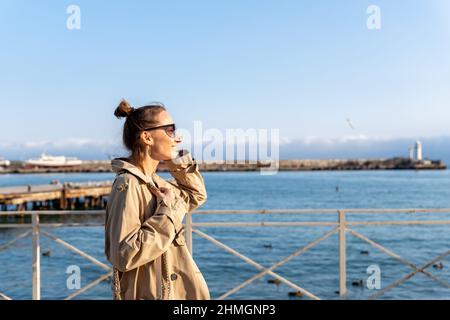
342 256
188 234
36 266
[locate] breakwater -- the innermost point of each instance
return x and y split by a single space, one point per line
283 165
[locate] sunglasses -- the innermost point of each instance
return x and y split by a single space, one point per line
170 129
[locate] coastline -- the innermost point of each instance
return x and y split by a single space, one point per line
283 165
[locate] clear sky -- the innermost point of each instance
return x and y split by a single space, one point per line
301 66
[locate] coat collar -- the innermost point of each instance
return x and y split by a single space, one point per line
122 164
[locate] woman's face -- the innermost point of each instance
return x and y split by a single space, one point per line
164 139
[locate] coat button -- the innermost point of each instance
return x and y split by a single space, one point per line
173 276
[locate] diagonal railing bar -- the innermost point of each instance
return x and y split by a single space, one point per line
84 255
253 263
409 276
80 252
280 263
89 286
381 248
5 246
4 296
397 257
23 235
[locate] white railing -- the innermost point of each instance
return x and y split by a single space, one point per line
342 227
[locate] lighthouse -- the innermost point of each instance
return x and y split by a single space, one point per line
418 151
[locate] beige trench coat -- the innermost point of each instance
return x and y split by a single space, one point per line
144 239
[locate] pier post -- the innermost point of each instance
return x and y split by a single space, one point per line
96 203
71 203
342 255
36 266
189 232
63 200
87 202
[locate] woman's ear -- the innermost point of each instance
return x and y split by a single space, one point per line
147 138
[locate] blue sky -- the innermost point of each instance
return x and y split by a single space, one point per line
300 66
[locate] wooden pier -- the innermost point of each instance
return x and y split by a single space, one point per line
67 196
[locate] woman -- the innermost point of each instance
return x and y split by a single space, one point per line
144 238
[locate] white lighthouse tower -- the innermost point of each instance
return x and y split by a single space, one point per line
418 151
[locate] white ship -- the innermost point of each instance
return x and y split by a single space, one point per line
53 161
4 163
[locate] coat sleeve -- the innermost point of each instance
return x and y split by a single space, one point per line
130 243
188 180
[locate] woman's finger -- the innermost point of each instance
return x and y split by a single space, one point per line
159 194
156 192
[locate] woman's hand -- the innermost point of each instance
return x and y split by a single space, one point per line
166 195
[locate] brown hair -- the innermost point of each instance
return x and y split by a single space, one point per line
136 121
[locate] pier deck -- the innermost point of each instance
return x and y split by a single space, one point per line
55 196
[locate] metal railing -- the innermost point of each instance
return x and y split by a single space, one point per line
342 227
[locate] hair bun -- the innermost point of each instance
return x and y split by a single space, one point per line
123 110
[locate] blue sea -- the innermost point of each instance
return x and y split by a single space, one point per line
316 270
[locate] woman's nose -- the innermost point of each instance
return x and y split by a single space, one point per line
178 139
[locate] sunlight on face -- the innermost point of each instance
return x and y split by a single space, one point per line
164 146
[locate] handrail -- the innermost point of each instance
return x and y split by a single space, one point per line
234 211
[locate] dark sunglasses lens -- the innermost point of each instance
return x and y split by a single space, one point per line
170 130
